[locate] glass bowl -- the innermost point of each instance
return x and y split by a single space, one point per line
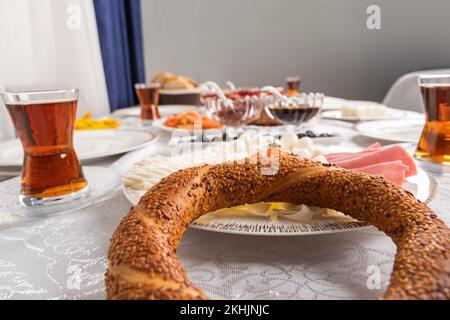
239 108
294 110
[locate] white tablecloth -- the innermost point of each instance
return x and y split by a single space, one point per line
64 257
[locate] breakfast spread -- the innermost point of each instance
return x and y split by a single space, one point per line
271 181
142 254
230 176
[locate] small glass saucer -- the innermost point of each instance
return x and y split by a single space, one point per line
29 201
102 184
433 167
428 166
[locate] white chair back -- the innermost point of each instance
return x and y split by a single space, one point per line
405 93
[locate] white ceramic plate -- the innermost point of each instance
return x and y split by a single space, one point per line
165 110
421 185
391 114
408 130
89 145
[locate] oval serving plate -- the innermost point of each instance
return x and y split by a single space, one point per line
404 130
422 185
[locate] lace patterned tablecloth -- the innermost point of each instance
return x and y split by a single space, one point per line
64 257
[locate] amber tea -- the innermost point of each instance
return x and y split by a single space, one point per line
293 84
45 128
434 144
148 95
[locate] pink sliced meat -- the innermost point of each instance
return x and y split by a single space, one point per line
344 155
347 155
394 171
388 154
374 146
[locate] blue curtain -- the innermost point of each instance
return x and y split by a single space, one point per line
120 33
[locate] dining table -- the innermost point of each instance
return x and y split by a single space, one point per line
65 256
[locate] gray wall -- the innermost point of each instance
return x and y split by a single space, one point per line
326 42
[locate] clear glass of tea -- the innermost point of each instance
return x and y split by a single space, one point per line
44 122
434 144
148 94
293 84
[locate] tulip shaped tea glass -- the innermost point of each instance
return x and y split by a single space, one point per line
434 144
148 94
293 84
44 122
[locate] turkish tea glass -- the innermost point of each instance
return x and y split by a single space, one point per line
44 123
148 94
293 84
434 144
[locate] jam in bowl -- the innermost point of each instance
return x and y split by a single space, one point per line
234 108
294 114
294 110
